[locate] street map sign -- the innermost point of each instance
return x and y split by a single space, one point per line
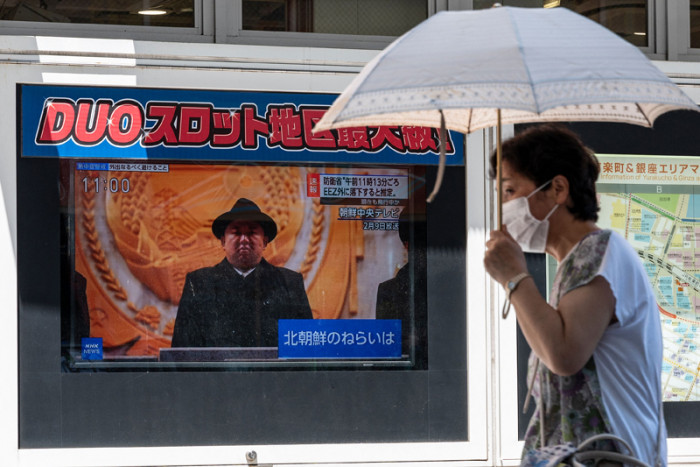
654 202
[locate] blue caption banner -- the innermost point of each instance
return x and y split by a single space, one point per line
92 166
339 338
91 348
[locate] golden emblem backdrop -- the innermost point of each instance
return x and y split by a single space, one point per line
136 241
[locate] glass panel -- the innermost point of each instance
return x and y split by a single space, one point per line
357 17
172 13
108 244
695 24
316 404
667 147
627 18
160 275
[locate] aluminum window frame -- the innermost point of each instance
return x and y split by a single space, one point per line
202 31
679 32
220 21
656 28
229 29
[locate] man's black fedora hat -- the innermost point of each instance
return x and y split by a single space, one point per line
246 210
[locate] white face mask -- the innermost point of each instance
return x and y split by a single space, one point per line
526 229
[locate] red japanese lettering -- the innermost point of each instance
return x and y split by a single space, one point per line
386 135
353 138
227 128
285 127
253 127
320 140
164 129
418 138
194 124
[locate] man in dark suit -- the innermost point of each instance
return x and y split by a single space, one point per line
237 302
405 296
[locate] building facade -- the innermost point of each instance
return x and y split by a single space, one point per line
127 130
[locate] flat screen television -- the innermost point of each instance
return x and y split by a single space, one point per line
134 230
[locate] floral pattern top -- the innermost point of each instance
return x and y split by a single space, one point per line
572 405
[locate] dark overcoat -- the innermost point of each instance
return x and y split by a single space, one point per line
221 308
404 298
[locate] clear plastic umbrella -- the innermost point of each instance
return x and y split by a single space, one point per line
476 69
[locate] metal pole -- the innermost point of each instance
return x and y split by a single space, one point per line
499 180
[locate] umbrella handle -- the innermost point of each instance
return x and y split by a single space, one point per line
441 166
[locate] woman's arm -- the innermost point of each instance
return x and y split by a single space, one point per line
563 338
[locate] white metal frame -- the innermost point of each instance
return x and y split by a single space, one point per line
505 353
491 341
679 21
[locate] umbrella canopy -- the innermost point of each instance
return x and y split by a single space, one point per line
468 70
532 64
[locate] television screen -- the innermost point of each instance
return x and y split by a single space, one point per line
180 265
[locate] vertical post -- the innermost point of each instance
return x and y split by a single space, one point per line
499 191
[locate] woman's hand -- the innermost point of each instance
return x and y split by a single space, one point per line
565 337
504 259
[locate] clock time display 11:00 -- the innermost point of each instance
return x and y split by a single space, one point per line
113 185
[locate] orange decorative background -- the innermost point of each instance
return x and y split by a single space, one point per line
136 247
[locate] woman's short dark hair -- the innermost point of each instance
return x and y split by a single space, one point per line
544 151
